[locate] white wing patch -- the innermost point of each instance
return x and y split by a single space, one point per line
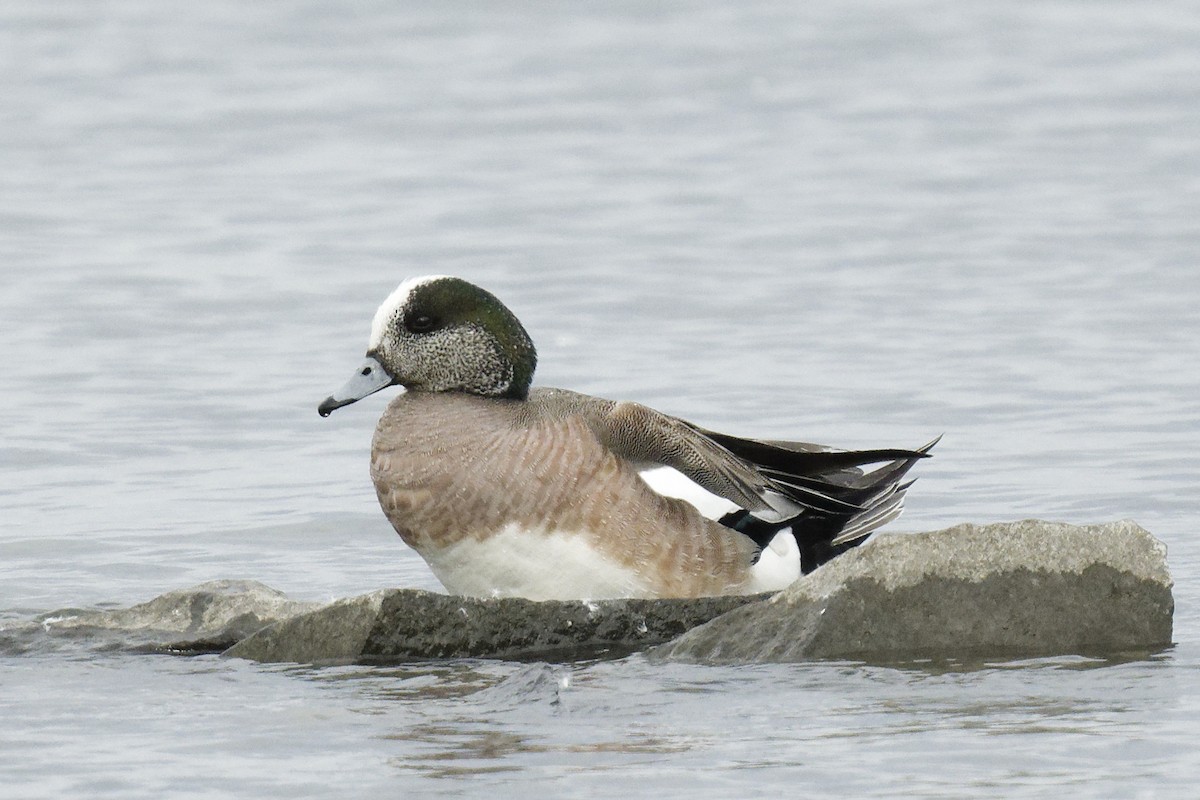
670 482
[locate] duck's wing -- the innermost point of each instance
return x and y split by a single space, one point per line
803 471
644 436
772 480
823 495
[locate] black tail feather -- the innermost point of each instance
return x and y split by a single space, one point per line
841 504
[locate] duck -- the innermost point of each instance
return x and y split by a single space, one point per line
511 490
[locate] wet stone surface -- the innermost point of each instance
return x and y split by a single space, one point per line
406 624
1022 588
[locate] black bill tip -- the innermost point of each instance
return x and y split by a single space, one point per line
329 405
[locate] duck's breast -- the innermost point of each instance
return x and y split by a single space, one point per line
502 505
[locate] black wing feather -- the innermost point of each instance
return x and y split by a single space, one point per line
841 503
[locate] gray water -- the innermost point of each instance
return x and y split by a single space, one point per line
855 223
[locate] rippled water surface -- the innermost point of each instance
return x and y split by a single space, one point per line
861 224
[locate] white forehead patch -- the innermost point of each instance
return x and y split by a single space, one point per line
391 306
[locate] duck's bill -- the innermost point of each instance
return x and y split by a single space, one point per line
370 378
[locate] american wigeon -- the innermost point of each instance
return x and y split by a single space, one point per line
548 494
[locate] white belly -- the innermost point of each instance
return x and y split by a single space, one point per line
563 566
535 565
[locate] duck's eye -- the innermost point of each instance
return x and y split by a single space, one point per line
420 323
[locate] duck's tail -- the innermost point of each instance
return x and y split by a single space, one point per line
840 503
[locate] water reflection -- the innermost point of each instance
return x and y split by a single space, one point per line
424 681
474 748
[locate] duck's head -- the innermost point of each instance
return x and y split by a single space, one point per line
442 334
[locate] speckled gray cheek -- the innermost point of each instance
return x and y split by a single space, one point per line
468 358
462 358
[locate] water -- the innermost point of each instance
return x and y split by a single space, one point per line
862 224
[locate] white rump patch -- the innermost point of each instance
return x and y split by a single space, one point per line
778 566
391 306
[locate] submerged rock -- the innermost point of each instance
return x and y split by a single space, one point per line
404 624
1027 587
207 618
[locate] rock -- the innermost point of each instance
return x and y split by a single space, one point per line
405 624
1021 588
206 618
336 632
1027 587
